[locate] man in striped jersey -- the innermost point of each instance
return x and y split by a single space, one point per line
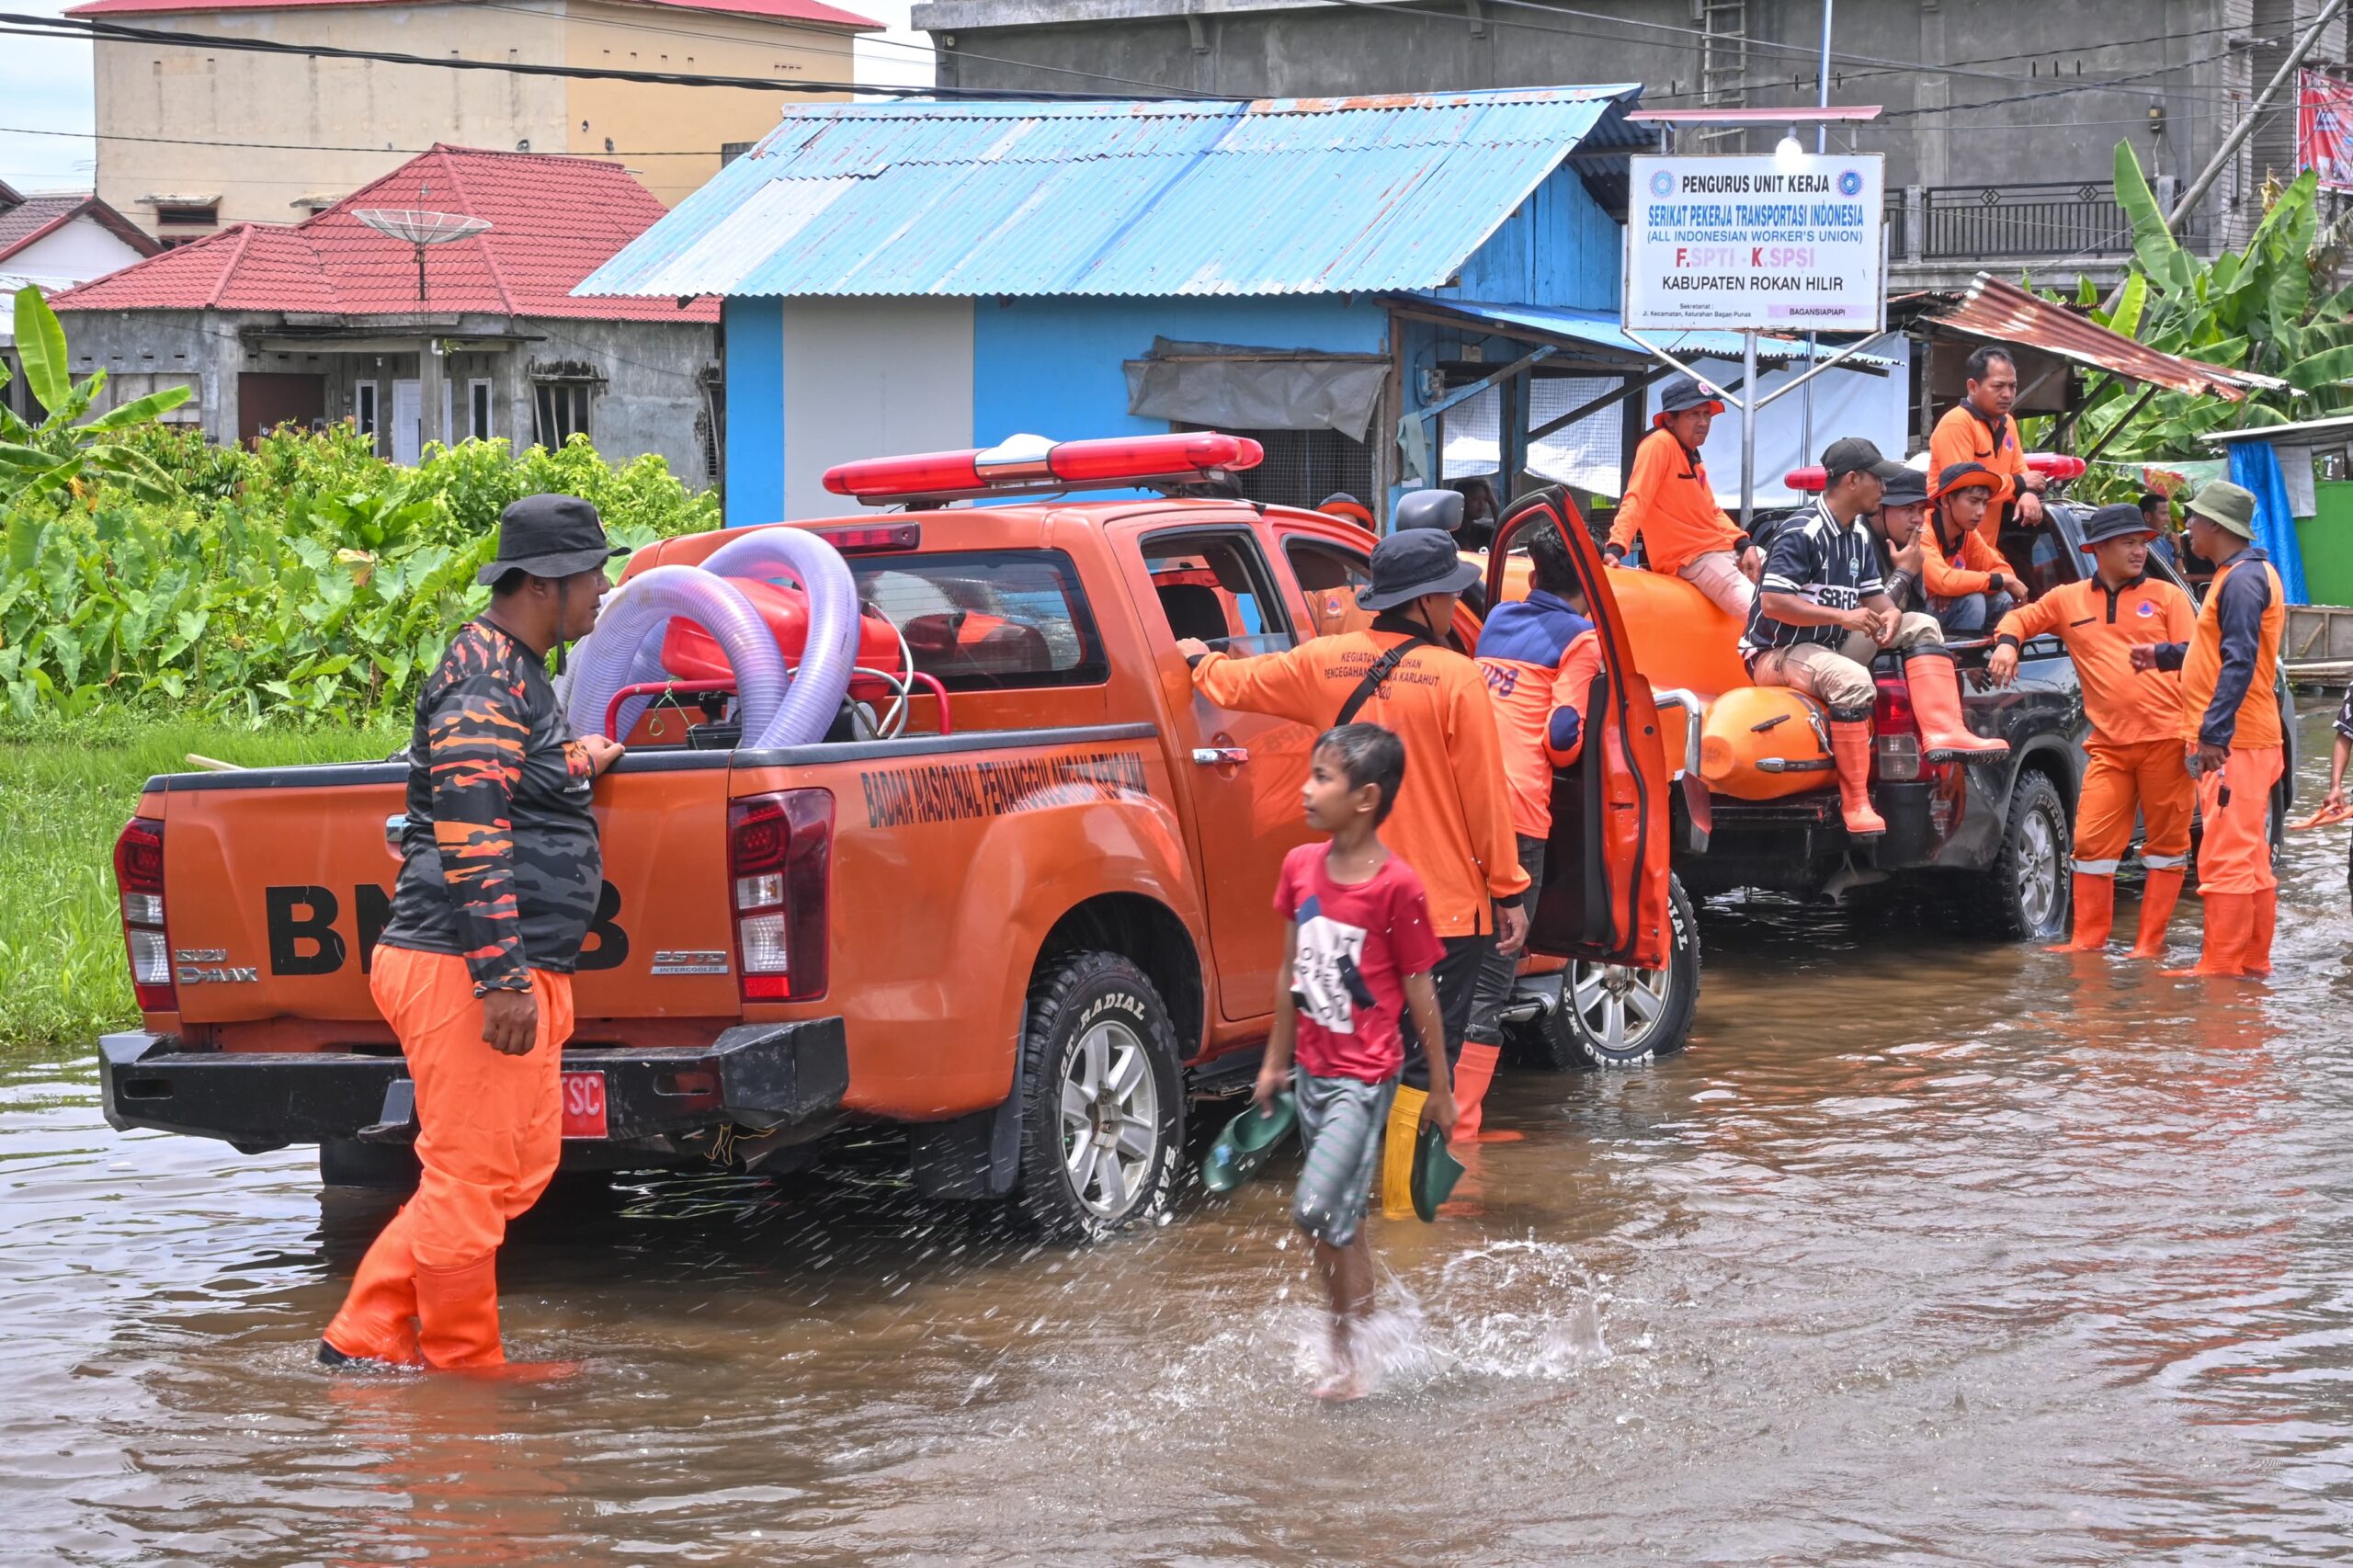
1822 613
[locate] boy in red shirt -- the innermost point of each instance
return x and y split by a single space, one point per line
1357 950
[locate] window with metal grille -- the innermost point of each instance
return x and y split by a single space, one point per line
560 411
1304 466
730 151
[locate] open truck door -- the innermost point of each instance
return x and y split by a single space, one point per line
1607 890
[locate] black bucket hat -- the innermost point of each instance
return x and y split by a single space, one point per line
2119 521
1408 565
1909 488
549 536
1680 393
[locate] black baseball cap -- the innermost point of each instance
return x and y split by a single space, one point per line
1852 454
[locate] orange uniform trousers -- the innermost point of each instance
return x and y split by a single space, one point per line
490 1130
2149 775
2235 855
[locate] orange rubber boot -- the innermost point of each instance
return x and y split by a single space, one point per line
2230 923
1936 702
1472 1075
378 1322
2258 941
2158 896
2094 915
1851 744
456 1311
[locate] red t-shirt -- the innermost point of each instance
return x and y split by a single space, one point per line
1377 931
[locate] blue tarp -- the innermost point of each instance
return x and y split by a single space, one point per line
2256 466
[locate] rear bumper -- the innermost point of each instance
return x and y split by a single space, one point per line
755 1075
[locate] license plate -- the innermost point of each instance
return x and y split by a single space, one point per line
584 1105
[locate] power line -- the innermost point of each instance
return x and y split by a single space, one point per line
19 24
318 146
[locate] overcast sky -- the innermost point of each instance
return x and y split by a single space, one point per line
45 88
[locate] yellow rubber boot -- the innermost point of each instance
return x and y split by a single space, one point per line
1397 1152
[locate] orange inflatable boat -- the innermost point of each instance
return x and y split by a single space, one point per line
1755 743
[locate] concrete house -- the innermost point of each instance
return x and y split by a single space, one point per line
241 125
329 318
53 240
1365 285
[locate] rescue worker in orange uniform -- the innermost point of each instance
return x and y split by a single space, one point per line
1540 656
1979 429
1452 821
2135 747
1969 585
1671 507
501 871
2230 729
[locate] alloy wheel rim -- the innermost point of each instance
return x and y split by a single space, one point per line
1110 1108
2038 869
1620 1005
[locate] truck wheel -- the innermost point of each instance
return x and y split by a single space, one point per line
2022 896
1103 1125
387 1167
1612 1016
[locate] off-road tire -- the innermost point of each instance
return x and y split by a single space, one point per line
1078 1002
2023 895
1562 1038
381 1167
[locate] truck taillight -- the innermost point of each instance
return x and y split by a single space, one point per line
780 854
1895 735
139 875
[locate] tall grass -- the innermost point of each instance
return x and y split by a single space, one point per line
65 792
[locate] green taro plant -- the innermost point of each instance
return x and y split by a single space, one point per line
36 458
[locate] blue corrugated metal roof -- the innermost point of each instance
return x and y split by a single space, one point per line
1601 329
1283 196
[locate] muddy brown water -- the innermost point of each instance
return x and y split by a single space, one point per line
1923 1253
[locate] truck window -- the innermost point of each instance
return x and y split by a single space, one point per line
986 621
1215 587
1329 577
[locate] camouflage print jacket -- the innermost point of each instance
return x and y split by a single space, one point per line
500 860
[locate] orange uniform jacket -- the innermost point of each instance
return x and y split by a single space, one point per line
1671 505
2236 641
1961 436
1979 561
1452 821
2126 707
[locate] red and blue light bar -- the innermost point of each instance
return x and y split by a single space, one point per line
1032 462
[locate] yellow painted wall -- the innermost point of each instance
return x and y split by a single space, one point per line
354 120
647 123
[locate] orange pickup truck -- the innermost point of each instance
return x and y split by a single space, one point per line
1028 935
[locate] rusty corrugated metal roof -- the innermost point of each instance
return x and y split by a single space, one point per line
2004 312
1280 195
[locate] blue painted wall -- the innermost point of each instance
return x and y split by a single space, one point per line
1054 366
754 410
1560 248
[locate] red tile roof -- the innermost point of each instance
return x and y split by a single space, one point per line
810 13
554 221
23 219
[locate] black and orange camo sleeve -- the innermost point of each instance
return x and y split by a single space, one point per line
475 741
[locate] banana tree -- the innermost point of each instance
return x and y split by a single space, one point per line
35 458
2263 309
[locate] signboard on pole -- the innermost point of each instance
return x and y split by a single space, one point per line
2324 127
1788 244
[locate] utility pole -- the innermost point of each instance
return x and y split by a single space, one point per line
1821 145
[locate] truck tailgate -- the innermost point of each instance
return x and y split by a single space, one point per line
278 880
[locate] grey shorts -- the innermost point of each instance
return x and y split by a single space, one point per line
1342 1123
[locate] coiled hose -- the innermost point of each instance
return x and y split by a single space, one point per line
829 650
637 615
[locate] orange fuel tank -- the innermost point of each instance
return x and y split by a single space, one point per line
1760 742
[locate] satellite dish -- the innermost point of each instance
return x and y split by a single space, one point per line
422 228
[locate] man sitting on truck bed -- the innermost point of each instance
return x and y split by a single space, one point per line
1822 613
1453 821
1969 583
1670 506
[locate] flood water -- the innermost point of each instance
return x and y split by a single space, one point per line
1923 1253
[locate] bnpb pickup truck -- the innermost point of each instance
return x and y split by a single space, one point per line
1028 936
